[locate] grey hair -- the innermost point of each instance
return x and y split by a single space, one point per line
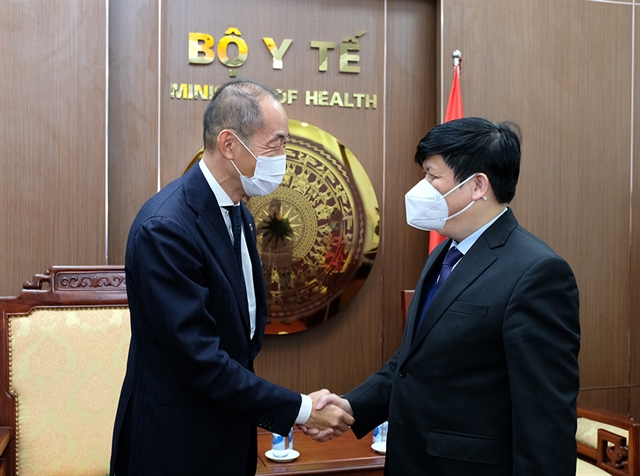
235 106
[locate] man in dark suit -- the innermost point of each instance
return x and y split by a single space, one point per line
190 401
486 378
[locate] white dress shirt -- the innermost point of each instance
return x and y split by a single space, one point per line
224 201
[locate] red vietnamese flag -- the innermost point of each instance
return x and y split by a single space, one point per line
454 111
454 106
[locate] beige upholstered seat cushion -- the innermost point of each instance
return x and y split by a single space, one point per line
67 367
586 469
587 432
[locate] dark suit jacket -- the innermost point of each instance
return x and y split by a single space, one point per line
190 401
488 385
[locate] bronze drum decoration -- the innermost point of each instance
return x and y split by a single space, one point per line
318 233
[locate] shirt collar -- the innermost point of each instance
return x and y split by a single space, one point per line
466 244
221 196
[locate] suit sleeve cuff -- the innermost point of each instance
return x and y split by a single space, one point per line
305 410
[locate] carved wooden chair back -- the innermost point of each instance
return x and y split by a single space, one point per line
63 349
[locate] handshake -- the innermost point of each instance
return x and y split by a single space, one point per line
330 416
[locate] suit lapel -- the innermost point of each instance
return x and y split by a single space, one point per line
212 224
479 257
434 261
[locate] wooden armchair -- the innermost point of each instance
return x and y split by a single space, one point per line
63 350
607 442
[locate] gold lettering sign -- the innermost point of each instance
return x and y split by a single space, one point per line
311 98
201 51
232 37
350 43
201 48
323 47
277 53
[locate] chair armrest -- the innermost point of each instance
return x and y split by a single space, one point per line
616 449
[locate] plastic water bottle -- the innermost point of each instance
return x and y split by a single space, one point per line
380 433
280 445
377 436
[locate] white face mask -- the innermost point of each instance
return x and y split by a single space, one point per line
427 208
267 176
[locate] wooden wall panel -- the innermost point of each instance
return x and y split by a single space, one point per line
613 399
52 152
411 112
555 68
133 115
634 311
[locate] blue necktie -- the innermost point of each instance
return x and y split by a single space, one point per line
236 228
450 259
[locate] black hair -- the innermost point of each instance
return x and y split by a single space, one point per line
473 145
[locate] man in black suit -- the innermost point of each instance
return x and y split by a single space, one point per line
486 378
190 401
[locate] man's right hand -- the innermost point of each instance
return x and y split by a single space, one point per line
330 416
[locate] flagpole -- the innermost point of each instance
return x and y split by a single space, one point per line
457 57
454 111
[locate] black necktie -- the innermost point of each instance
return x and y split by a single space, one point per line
450 259
236 228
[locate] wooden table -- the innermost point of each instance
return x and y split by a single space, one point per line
344 455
